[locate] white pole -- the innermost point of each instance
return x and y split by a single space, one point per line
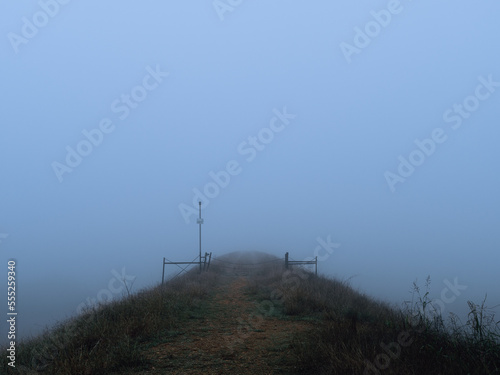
200 232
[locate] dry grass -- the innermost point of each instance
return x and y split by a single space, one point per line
107 338
354 333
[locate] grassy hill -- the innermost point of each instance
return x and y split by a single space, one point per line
248 315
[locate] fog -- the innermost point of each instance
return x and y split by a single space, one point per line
364 134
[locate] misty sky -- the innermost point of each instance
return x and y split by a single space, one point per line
371 125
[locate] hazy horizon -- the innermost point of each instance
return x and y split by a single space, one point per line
364 134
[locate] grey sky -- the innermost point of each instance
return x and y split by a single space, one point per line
158 97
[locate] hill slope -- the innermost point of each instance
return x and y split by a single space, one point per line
248 315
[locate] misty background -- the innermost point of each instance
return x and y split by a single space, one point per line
178 91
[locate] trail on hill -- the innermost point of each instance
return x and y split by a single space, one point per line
233 337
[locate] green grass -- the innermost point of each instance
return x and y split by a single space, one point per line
353 333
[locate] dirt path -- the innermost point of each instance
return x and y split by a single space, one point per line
232 338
